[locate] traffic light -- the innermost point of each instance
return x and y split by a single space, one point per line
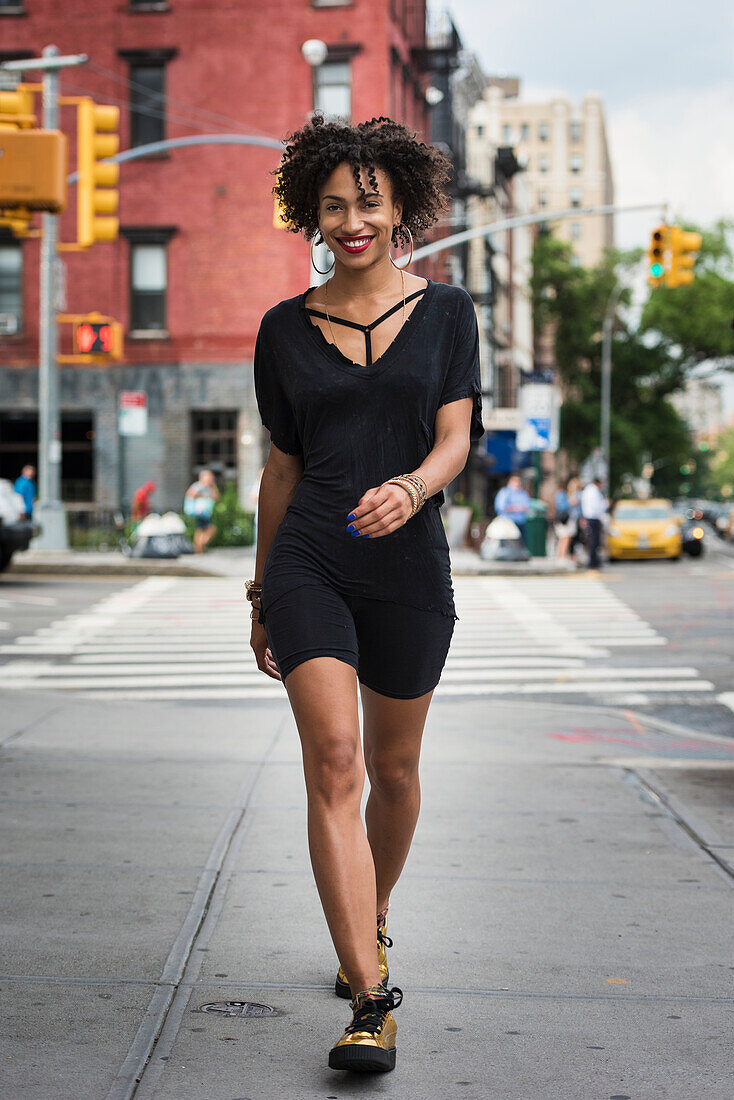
97 139
93 337
16 109
33 169
656 255
96 340
683 249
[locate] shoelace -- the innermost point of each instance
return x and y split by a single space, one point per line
383 939
370 1015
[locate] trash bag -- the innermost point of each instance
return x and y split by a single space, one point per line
161 537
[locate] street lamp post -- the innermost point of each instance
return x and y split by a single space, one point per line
49 509
606 379
315 53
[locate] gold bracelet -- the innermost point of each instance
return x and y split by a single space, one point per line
420 485
252 589
410 489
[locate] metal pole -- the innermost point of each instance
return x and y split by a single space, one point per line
49 510
606 380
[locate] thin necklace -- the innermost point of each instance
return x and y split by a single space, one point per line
326 307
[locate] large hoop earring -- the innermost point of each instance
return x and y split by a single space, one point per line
313 265
402 267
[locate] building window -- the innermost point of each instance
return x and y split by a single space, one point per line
148 5
575 230
11 287
575 196
575 130
148 278
148 285
147 94
543 131
542 200
214 442
331 3
575 162
507 133
525 132
480 131
543 164
147 104
12 7
332 90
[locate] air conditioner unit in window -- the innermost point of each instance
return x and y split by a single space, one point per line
8 324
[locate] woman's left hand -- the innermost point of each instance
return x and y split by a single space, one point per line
380 511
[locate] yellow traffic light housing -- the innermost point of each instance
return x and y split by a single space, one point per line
16 109
96 340
683 249
33 169
656 255
97 197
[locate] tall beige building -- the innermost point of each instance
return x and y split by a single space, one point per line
564 151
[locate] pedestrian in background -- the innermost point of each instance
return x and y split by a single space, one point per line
371 374
513 502
25 486
140 506
567 508
199 502
593 510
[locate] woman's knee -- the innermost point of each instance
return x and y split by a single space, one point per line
333 768
393 776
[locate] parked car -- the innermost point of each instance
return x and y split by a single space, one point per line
727 528
692 534
644 529
15 531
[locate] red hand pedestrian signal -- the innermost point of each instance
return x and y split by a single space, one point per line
92 337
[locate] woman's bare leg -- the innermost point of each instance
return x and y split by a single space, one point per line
323 697
393 730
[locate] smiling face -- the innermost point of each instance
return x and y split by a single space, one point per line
357 227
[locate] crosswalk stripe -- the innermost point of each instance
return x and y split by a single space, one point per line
187 639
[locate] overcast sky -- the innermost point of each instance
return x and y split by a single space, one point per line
665 71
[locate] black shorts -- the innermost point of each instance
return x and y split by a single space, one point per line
396 650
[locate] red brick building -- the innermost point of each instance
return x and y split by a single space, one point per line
198 260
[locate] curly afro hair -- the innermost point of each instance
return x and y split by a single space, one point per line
418 171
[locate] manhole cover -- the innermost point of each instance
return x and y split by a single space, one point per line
238 1008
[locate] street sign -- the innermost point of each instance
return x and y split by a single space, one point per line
539 406
132 416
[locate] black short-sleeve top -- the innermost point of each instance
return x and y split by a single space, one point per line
356 426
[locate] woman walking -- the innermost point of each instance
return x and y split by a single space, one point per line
370 388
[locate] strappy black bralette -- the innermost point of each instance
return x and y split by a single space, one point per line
367 329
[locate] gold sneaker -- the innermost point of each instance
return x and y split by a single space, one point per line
341 986
368 1044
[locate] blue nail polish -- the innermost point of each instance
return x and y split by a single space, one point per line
365 536
352 516
354 534
351 527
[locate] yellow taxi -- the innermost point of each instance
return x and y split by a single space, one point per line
644 529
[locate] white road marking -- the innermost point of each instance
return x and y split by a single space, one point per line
173 639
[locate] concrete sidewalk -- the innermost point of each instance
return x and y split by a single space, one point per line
562 930
229 563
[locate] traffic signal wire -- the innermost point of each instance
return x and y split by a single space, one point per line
205 115
151 112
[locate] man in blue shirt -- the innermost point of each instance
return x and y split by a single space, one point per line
513 503
25 485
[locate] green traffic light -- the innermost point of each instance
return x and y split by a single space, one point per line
703 445
656 270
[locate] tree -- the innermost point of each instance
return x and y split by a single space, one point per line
722 463
643 424
694 323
